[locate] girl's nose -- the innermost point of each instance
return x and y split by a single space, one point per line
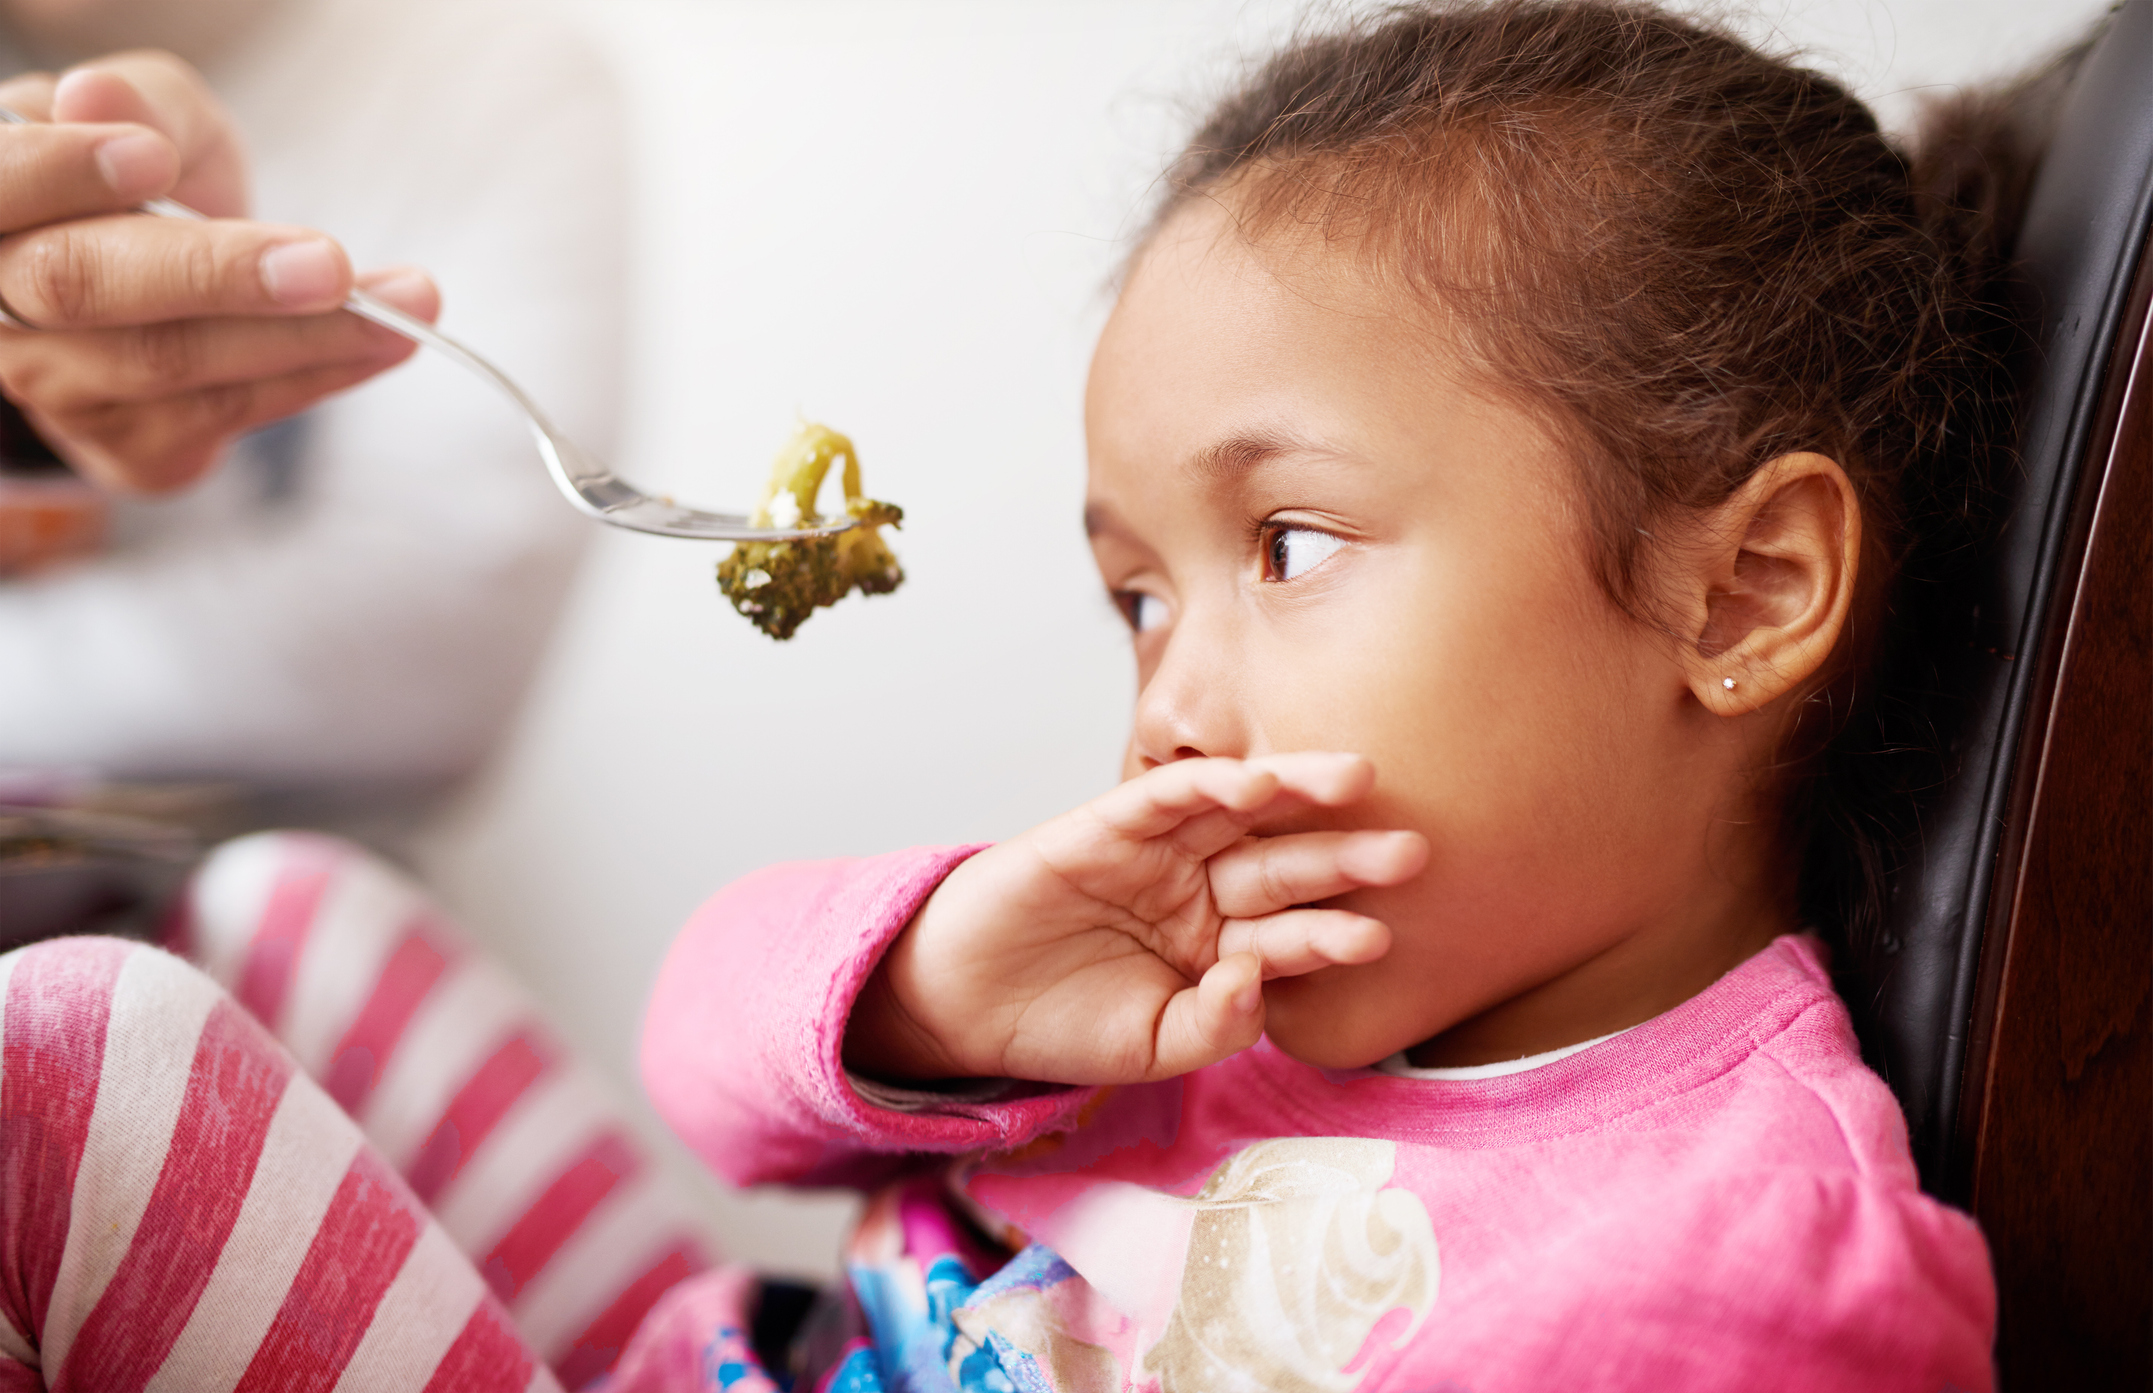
1191 705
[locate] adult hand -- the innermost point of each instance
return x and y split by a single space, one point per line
158 341
1128 940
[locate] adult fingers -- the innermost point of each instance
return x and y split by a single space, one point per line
406 287
1262 875
62 374
49 173
155 447
1303 940
157 90
1221 1015
224 377
29 94
127 270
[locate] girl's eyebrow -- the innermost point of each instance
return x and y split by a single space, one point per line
1221 464
1226 462
1098 518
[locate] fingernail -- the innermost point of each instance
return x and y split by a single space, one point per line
132 165
403 288
1244 1000
303 274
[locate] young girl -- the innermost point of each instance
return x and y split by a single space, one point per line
1501 451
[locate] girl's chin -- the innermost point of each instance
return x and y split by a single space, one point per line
1313 1019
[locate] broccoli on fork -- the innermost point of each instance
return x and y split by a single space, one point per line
777 585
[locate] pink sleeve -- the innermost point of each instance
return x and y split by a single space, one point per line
1771 1281
741 1043
1835 1282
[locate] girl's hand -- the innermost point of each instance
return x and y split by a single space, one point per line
1129 940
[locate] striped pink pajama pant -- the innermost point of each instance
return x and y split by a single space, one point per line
412 1186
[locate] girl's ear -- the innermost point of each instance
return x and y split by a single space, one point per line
1766 594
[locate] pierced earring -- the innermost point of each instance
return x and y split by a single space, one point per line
1727 682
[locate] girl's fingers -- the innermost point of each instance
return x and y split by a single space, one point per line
1157 802
1305 779
1303 940
1262 875
1207 834
1221 1015
1323 777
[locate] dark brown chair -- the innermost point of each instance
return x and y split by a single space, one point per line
2011 996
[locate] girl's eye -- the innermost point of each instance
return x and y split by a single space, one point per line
1144 612
1291 552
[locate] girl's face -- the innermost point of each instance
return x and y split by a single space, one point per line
1324 540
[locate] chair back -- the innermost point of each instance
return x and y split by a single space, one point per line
2010 1000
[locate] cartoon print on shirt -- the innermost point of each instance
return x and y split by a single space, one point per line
1028 1322
1297 1255
1294 1269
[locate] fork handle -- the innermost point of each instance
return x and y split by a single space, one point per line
379 311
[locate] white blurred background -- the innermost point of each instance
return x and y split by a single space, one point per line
899 219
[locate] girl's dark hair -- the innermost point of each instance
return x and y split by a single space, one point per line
1687 258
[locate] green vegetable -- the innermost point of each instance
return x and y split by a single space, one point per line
777 585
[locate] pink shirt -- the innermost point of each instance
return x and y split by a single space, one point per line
1721 1197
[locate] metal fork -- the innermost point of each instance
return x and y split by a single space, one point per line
582 477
